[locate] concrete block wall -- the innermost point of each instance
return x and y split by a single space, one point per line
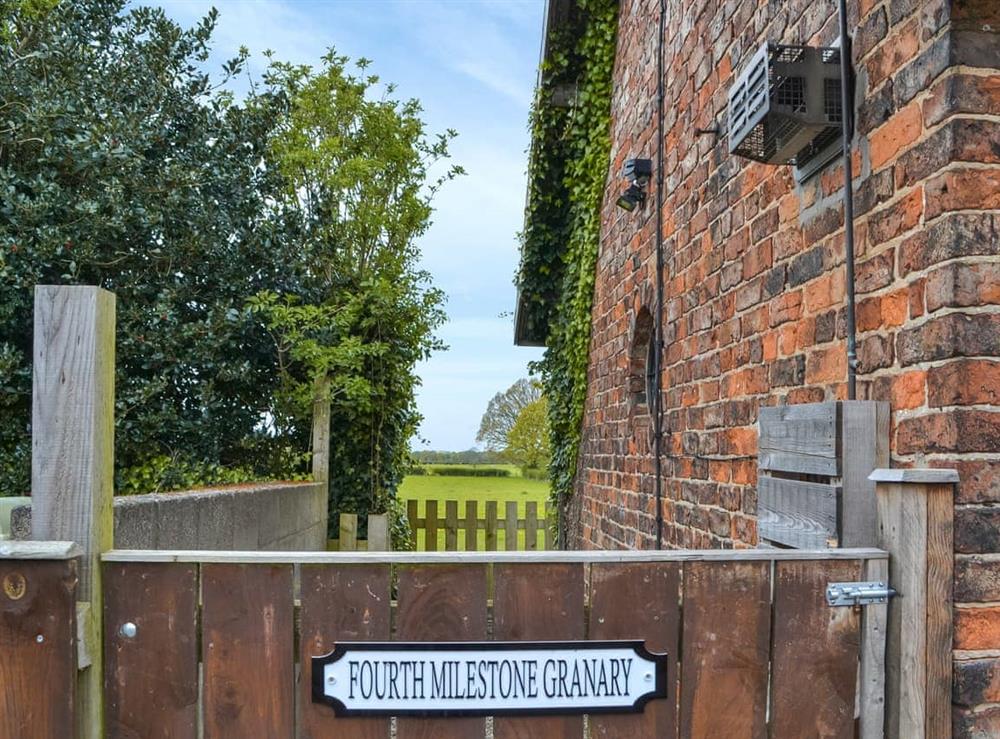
259 517
755 284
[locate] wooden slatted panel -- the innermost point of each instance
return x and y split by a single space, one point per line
412 515
451 525
530 526
247 650
348 532
347 602
471 525
815 646
796 513
378 533
491 526
37 678
725 650
799 438
510 527
151 678
441 603
431 526
638 601
538 601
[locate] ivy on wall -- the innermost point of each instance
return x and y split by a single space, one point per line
571 146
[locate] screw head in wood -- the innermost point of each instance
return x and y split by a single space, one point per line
39 638
128 630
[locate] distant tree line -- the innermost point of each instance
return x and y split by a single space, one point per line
469 456
262 249
515 426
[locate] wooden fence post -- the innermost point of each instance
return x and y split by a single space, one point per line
915 514
72 461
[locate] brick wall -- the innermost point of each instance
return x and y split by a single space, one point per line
754 306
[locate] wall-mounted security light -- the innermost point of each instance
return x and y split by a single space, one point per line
638 172
785 107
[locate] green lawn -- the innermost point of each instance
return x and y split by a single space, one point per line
501 489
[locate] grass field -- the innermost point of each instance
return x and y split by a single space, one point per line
501 489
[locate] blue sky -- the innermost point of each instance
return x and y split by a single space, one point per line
472 64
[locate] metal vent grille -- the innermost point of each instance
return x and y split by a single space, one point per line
785 106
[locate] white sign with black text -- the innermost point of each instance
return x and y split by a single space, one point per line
488 678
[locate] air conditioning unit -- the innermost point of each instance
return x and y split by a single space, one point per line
785 106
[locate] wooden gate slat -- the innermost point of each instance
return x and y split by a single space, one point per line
151 677
441 603
815 658
349 602
37 678
247 650
638 601
725 650
538 601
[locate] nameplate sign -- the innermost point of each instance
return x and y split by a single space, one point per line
488 678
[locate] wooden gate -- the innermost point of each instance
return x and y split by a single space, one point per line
223 641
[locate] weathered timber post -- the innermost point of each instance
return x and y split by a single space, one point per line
321 431
72 460
915 512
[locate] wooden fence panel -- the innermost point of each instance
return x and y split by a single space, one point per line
451 525
444 603
530 526
412 515
727 607
491 525
348 602
151 649
431 526
510 527
638 600
815 652
38 648
247 651
538 601
471 525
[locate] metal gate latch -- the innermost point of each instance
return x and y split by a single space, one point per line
858 593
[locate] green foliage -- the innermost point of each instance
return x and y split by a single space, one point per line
255 247
462 470
528 439
502 411
358 184
567 171
469 456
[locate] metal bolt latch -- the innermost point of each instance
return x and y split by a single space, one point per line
858 593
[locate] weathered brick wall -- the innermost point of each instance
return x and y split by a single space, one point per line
754 307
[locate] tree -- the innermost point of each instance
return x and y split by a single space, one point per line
123 165
358 180
502 412
254 246
528 439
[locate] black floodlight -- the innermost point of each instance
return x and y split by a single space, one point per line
631 198
785 106
638 171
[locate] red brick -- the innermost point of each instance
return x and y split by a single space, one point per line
826 365
898 133
966 189
962 430
897 218
786 307
976 681
980 479
965 382
977 628
904 392
961 285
